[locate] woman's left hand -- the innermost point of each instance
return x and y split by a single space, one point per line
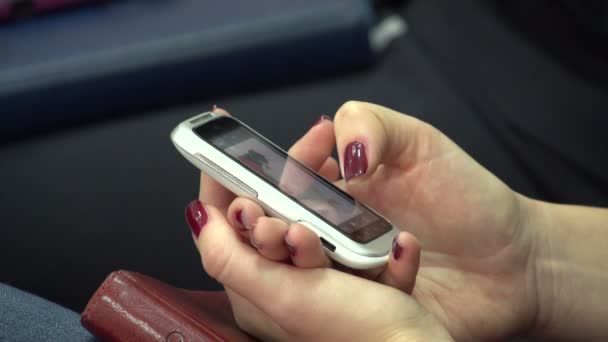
277 301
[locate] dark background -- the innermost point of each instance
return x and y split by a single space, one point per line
522 87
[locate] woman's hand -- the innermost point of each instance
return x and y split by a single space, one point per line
277 301
475 273
304 249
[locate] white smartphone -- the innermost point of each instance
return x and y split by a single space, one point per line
251 166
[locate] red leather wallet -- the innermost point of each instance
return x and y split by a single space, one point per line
129 306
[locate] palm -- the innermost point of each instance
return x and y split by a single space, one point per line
474 255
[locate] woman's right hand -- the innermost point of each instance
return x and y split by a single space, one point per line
475 272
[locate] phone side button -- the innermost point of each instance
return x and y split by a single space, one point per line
206 161
246 188
229 177
239 184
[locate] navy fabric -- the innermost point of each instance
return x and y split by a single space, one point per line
123 55
25 317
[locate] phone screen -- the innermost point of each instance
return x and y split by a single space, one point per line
297 181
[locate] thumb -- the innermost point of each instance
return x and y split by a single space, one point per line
368 135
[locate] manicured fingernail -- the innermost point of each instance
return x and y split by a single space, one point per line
321 119
290 247
252 239
355 160
239 219
396 249
196 216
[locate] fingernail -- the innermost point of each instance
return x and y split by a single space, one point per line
214 108
396 249
290 248
321 119
252 239
239 220
196 216
355 160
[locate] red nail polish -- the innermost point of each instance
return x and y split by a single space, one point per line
321 119
239 219
290 248
396 249
355 160
196 216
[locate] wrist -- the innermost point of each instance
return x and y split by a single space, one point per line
529 241
555 269
540 273
569 270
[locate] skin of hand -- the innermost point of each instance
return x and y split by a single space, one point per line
495 263
310 253
476 272
276 301
572 271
